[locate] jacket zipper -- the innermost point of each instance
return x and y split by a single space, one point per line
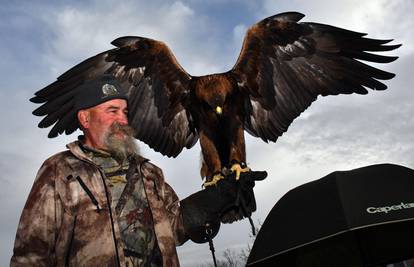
110 216
89 193
70 242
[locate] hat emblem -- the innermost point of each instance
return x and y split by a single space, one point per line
109 90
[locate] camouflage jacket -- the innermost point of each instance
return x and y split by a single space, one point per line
64 225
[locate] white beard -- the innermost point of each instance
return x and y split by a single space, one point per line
120 147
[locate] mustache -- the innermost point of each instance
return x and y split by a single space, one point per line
119 128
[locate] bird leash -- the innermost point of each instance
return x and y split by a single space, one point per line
209 233
240 202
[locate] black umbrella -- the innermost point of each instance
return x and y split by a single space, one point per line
361 217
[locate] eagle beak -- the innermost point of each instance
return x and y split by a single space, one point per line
219 110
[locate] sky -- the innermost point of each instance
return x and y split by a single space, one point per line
42 39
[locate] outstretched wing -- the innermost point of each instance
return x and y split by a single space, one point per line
284 65
157 85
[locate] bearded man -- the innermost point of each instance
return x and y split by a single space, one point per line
101 204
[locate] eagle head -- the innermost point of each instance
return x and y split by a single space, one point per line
213 90
216 102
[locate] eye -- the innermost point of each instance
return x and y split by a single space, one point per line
207 106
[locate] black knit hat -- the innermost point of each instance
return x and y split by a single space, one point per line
95 92
64 98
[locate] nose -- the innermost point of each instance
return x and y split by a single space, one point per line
122 119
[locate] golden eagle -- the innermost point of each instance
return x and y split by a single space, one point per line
282 68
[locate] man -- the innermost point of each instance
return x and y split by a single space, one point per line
101 204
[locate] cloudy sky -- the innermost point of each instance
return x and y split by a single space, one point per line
40 41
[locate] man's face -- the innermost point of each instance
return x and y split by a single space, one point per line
98 120
103 116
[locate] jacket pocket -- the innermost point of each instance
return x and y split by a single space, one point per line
89 193
81 197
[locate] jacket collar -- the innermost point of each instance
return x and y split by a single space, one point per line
75 148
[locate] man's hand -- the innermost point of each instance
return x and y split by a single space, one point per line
228 201
245 202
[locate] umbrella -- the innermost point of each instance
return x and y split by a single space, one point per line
361 217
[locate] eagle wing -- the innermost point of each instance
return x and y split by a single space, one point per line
284 65
158 87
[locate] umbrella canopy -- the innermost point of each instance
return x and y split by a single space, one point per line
361 217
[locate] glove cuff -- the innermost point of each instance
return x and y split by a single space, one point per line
198 224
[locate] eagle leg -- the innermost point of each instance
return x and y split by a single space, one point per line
238 153
211 160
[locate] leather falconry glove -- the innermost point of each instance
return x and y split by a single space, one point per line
203 210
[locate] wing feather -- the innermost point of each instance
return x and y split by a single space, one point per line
285 65
158 87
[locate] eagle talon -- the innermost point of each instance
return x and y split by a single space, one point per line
217 177
237 167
